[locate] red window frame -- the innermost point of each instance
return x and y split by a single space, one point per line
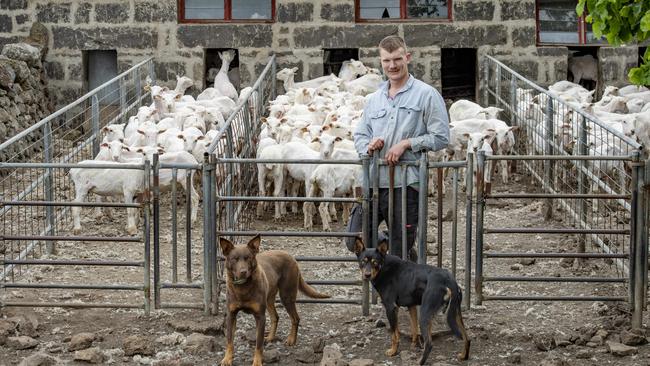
581 29
402 14
227 15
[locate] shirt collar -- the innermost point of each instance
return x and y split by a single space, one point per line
386 84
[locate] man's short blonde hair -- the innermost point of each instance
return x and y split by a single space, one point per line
392 43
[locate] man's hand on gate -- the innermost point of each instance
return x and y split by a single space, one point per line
375 144
395 152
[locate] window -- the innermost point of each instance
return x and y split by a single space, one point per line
205 11
558 23
377 10
333 59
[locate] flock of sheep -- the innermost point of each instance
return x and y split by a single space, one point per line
315 119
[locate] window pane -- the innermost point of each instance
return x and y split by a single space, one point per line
590 35
204 9
251 9
427 9
379 9
558 21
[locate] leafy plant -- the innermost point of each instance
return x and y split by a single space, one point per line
621 22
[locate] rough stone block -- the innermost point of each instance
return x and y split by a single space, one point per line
5 24
283 43
225 35
75 72
82 15
418 70
560 69
112 13
166 71
527 68
517 10
155 12
524 37
54 70
475 10
53 13
610 70
553 51
361 35
446 35
13 4
295 12
337 12
125 37
22 18
315 70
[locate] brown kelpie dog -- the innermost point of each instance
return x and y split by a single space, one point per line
252 281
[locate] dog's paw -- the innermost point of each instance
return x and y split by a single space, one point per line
226 362
416 345
391 352
290 342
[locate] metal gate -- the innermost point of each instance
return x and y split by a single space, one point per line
590 177
38 200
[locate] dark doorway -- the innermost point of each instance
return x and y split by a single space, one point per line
333 58
212 65
458 73
580 52
100 66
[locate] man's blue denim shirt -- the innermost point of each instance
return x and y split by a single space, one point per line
417 112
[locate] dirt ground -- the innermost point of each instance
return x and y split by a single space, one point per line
502 333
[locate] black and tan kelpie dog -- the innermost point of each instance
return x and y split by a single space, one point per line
404 283
252 281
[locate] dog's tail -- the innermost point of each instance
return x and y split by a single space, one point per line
310 291
455 319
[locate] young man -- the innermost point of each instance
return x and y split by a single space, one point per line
402 120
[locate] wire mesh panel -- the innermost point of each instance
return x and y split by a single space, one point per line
590 179
68 136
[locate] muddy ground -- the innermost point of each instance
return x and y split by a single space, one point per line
502 333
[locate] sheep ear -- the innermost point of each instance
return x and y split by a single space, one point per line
315 139
466 135
294 69
161 131
140 151
263 120
514 128
304 129
121 140
312 109
157 97
104 144
126 148
325 128
338 138
200 138
142 132
147 88
105 129
178 96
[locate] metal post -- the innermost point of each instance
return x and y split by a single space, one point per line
548 165
174 227
207 243
375 208
469 188
480 208
640 252
215 280
440 214
49 186
454 224
422 209
147 238
188 226
136 81
365 221
582 181
273 78
513 101
95 123
156 231
230 179
497 79
122 99
403 191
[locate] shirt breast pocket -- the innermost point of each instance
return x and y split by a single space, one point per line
410 121
378 122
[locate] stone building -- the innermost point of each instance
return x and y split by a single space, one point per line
447 37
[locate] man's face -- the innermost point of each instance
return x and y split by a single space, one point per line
395 64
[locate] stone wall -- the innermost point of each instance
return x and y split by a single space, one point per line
24 94
142 28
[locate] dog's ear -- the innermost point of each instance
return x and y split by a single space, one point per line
254 244
226 246
358 246
382 247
